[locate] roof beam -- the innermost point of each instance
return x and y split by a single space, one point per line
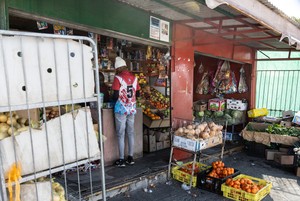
242 32
224 27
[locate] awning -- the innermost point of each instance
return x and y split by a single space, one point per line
253 23
272 17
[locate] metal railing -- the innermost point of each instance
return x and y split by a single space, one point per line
278 90
41 71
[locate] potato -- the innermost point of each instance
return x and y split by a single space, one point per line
3 127
3 135
3 118
11 121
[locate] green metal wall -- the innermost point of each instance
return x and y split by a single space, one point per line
103 14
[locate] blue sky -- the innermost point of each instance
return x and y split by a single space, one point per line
289 7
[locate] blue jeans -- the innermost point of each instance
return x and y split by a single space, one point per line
125 123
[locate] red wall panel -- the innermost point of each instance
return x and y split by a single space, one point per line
186 42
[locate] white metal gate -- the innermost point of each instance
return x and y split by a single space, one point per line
56 76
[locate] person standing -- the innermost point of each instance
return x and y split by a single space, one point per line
126 89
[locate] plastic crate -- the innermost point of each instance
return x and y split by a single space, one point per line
241 195
212 184
185 177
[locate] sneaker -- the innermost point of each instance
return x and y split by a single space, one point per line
130 160
120 163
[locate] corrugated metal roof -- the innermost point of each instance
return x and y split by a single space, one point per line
196 14
278 11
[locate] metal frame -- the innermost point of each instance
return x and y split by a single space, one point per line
72 101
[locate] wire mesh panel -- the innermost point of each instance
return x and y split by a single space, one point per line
278 90
48 143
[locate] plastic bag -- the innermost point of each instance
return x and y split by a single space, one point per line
242 88
203 86
224 81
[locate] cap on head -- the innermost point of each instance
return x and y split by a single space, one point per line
119 62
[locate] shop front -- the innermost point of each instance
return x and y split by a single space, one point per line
115 33
185 55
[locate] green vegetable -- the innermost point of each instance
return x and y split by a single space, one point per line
218 114
201 114
236 114
227 116
207 113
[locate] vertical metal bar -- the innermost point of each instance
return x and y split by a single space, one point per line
28 113
268 88
2 176
4 23
292 86
260 90
95 51
264 91
86 120
170 163
44 110
74 128
296 95
273 94
286 89
282 87
59 117
258 86
276 97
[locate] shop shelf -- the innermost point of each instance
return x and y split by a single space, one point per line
213 184
185 177
240 195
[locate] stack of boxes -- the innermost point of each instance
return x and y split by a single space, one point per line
156 140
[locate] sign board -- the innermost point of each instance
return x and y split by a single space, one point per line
159 29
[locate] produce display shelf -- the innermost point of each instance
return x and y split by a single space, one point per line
237 194
46 104
54 170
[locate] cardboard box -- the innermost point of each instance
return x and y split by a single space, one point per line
194 145
298 171
149 143
287 124
159 146
188 144
162 136
236 104
284 150
200 106
261 136
270 154
216 104
284 159
34 114
151 123
166 144
296 118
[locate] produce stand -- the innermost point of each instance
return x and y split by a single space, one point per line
259 135
193 147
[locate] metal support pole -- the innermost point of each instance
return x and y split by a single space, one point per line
4 15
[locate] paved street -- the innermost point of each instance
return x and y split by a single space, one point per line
286 186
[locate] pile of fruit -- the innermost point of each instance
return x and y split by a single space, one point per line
202 131
244 184
220 171
141 78
12 124
158 100
151 114
188 168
